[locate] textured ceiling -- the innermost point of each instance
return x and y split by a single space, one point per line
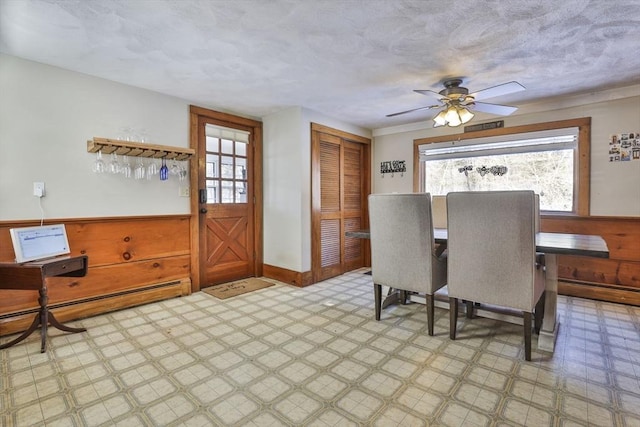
350 59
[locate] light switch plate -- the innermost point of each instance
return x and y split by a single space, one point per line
183 191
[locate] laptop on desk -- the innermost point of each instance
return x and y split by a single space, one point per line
39 243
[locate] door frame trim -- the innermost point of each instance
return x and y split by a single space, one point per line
228 120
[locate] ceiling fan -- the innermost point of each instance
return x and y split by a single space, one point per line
457 102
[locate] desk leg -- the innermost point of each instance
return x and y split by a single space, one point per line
550 325
56 324
48 317
29 331
43 318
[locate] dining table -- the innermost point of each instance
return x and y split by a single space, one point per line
551 245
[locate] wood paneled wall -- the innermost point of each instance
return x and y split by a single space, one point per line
616 279
135 260
131 261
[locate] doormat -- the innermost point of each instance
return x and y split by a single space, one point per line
237 288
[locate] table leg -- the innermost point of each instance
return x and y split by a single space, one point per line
550 325
56 324
43 318
29 331
392 297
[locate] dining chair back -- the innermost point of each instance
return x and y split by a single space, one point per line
492 254
403 248
537 213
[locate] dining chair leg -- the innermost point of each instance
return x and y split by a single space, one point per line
430 313
453 317
377 299
469 308
527 336
539 314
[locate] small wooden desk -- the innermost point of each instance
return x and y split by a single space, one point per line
552 245
33 276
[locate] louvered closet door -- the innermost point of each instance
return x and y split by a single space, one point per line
330 215
339 207
353 201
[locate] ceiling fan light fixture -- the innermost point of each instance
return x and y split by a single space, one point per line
465 115
440 120
452 116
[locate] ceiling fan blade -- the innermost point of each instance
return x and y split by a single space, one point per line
428 92
499 90
414 109
500 110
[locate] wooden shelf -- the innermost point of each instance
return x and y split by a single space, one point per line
138 149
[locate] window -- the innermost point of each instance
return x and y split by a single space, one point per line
550 159
226 168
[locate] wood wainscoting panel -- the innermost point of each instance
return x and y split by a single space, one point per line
132 260
616 279
600 292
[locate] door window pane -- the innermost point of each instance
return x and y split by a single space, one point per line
227 192
241 192
241 168
227 146
212 144
212 191
212 166
226 168
241 149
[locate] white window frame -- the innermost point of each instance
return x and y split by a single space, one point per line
495 136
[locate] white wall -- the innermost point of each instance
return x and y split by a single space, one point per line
287 184
283 168
614 186
46 116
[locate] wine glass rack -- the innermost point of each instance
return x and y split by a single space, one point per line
138 149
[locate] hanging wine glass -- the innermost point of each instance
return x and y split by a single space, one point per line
183 172
175 168
139 170
126 168
98 164
114 165
152 168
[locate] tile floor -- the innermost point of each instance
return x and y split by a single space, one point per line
285 356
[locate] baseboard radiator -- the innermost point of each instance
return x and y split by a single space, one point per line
18 321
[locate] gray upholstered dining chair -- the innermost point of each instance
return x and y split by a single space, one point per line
403 249
492 255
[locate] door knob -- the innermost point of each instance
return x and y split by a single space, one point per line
203 210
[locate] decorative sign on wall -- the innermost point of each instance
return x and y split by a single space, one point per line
392 167
624 147
484 126
496 170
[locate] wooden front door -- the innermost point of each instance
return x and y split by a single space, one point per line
340 186
226 205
